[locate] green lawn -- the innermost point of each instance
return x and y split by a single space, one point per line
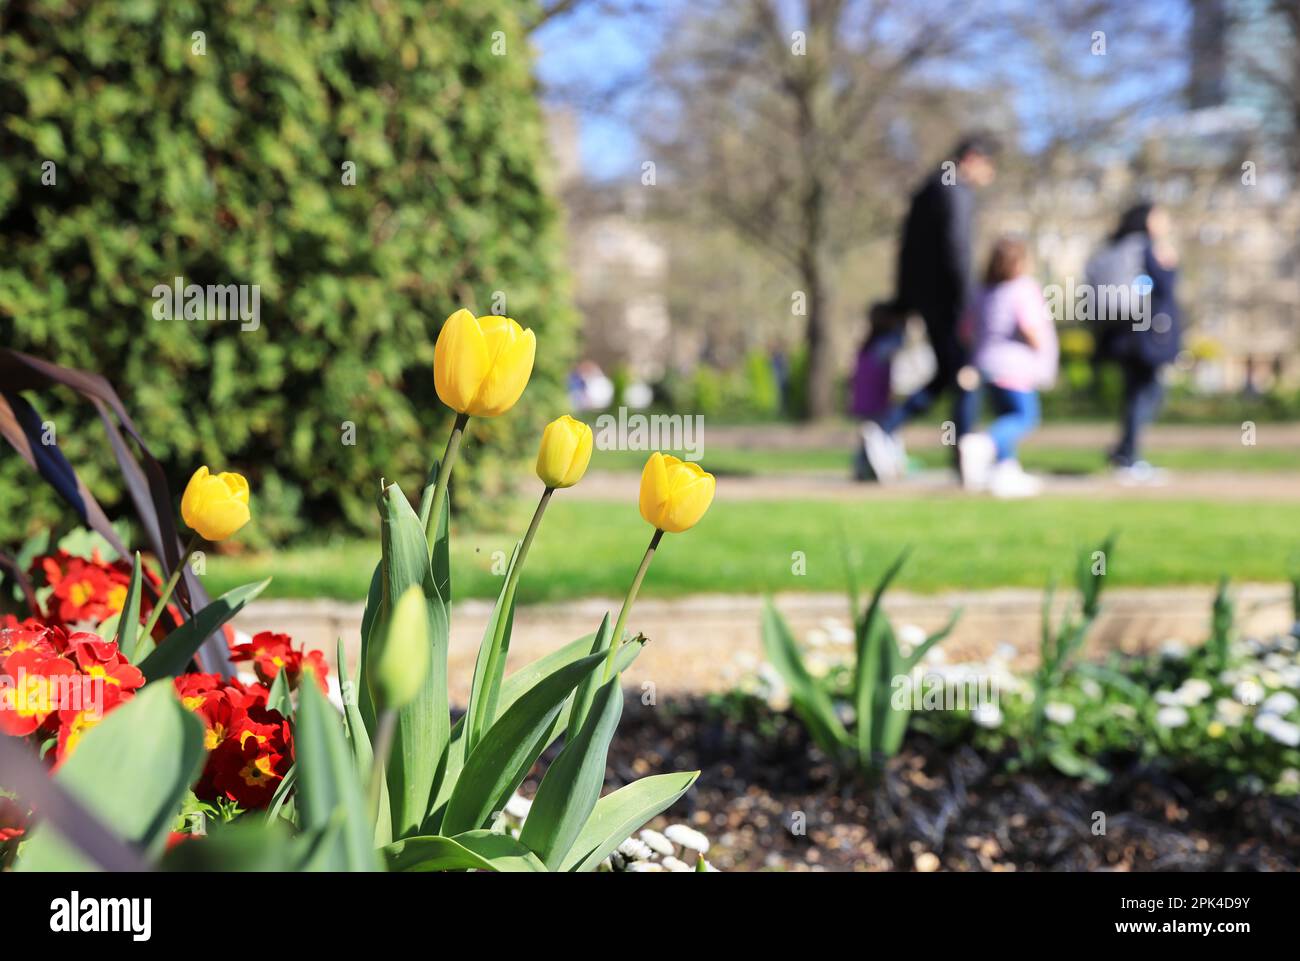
1055 460
749 546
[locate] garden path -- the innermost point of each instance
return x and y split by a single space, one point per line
711 642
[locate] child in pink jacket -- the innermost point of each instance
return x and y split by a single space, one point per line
1014 348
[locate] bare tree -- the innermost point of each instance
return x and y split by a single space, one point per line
1277 67
779 126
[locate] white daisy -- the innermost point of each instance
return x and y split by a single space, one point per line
1248 692
518 807
635 850
641 867
1171 717
1059 713
910 637
1193 691
1173 649
1229 712
987 714
676 866
840 634
657 842
687 837
1284 732
1283 702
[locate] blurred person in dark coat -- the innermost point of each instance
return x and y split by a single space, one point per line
934 280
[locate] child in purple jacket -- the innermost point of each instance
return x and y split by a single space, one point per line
869 397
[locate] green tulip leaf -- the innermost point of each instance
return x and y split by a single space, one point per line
617 815
470 851
173 655
572 783
128 622
424 725
512 689
328 786
132 770
501 760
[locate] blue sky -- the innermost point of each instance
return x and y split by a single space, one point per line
593 49
590 50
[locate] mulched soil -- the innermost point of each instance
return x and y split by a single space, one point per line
768 799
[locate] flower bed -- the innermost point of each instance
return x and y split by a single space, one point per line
175 760
768 799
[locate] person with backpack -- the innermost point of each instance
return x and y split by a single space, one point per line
934 280
1138 325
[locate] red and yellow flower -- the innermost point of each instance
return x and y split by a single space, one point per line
56 683
249 765
34 686
250 747
272 653
87 590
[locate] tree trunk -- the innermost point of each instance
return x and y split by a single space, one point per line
821 362
812 259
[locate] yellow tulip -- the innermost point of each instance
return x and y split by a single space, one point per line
482 364
565 452
215 505
674 493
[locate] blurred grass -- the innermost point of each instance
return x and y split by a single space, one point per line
592 548
1051 460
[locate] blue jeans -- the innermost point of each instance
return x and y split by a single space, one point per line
1017 414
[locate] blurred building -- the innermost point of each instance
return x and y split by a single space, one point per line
618 263
1222 170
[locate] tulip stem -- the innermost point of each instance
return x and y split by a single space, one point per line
169 587
496 657
444 478
379 763
616 639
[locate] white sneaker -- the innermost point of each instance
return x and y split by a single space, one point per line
1141 474
900 453
882 453
975 455
1008 480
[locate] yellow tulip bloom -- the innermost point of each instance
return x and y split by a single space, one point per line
674 493
215 505
565 452
482 364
